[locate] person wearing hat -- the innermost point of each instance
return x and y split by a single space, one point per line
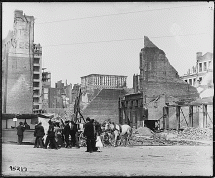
89 133
35 133
74 135
20 130
39 133
51 136
94 140
66 131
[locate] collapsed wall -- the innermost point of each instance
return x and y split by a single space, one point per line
104 106
159 82
158 76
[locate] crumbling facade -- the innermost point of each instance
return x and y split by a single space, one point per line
158 76
21 68
158 84
17 66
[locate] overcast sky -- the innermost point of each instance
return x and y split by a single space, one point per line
85 38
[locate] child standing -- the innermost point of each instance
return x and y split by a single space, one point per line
99 144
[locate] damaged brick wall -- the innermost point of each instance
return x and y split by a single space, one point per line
158 76
17 72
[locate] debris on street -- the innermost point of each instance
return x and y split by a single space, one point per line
187 136
196 133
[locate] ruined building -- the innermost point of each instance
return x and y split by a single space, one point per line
157 84
158 76
100 95
21 68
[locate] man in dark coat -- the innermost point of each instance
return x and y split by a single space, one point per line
94 140
89 133
74 134
36 139
51 136
20 130
39 132
66 131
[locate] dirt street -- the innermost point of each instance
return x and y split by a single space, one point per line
118 161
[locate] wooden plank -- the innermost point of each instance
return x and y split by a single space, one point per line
191 116
178 116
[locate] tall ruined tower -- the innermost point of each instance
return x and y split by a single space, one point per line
17 66
158 77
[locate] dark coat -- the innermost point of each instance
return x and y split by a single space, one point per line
73 129
51 132
35 130
89 130
66 129
40 131
20 130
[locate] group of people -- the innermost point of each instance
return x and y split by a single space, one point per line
57 135
65 135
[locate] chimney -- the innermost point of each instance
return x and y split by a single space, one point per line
198 54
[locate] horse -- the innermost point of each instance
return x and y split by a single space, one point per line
119 131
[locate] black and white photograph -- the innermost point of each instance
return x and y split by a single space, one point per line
107 89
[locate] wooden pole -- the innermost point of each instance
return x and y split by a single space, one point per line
204 116
178 117
167 117
164 118
191 116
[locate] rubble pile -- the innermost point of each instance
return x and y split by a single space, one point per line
196 133
145 136
143 131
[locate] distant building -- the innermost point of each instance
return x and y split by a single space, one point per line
60 96
99 81
52 97
37 79
75 92
195 74
46 85
93 83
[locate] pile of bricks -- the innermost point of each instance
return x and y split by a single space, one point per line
196 133
144 136
156 140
